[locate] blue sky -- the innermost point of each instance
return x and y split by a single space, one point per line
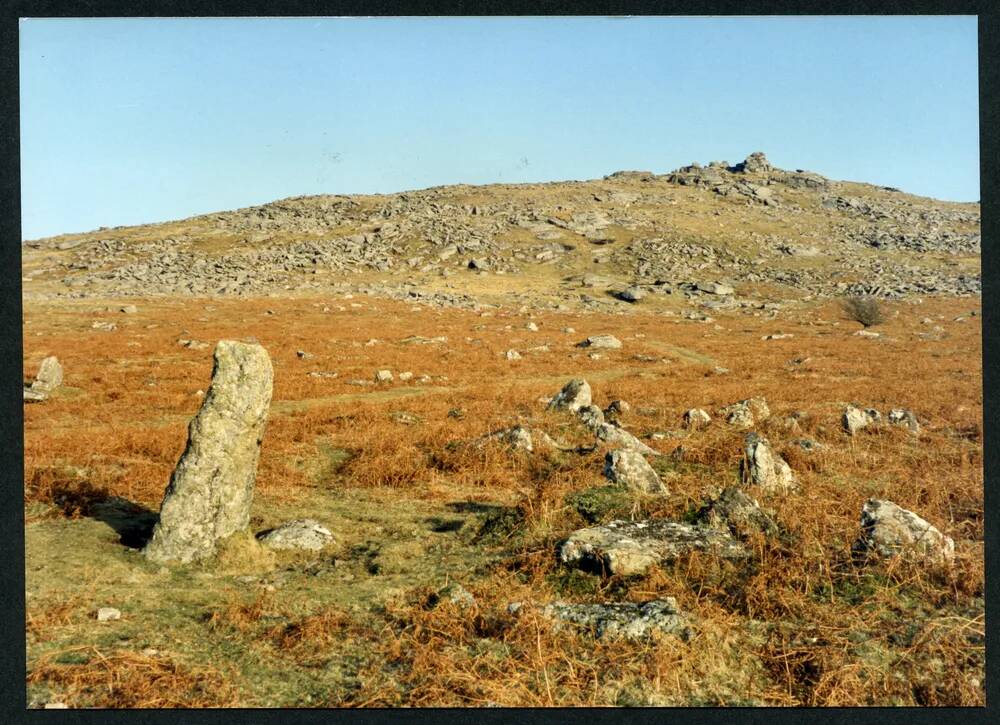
127 121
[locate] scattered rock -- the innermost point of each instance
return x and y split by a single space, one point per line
615 436
108 614
383 376
512 355
34 396
854 419
129 309
401 416
747 413
211 489
303 355
456 594
418 340
574 395
808 444
628 468
735 510
591 416
631 294
306 534
904 418
888 530
518 438
696 418
715 288
616 410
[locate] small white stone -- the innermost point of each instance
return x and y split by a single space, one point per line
108 614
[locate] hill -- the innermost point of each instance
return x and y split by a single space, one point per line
768 233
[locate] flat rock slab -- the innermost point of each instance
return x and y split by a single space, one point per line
625 620
34 396
606 342
632 547
307 534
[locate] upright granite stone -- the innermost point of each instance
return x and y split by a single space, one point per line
211 489
50 376
763 467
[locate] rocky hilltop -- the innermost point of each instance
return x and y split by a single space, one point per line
718 235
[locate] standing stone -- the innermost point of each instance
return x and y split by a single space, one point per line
764 468
628 468
889 530
574 395
211 488
50 376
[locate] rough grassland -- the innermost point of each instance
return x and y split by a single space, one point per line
356 626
